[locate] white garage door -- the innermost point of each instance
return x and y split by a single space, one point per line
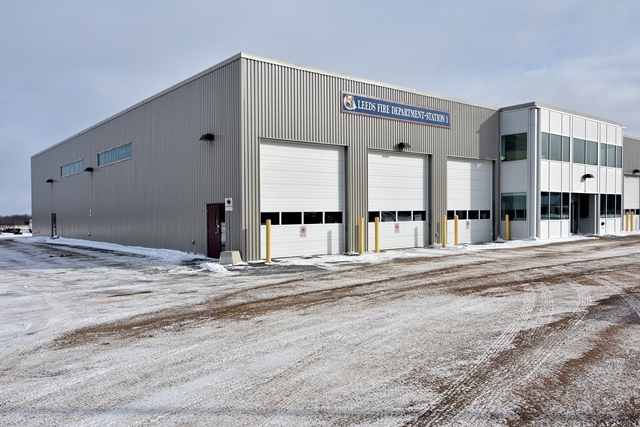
398 195
302 192
631 193
469 195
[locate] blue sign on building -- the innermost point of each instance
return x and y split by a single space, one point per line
358 104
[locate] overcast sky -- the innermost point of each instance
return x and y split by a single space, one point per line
66 65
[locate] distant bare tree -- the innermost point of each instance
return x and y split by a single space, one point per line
15 219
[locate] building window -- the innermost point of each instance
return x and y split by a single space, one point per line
333 217
404 215
619 157
514 205
313 217
544 149
72 168
611 156
514 147
273 216
592 153
565 205
565 149
291 218
544 206
419 215
115 154
579 150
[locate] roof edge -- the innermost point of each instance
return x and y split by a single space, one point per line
535 104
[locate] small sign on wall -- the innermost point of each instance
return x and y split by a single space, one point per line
468 225
397 227
228 204
303 231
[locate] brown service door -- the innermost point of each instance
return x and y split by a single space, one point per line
214 229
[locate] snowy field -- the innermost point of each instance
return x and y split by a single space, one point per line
516 333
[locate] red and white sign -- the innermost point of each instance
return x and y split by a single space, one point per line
303 231
228 204
397 227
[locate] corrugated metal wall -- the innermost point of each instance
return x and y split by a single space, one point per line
630 154
283 102
158 198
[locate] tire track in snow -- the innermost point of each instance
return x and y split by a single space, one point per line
470 380
630 299
487 384
525 363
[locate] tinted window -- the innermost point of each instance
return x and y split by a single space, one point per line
373 215
474 214
273 216
419 216
388 216
313 217
289 218
333 217
404 215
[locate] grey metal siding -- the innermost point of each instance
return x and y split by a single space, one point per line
158 198
630 154
289 103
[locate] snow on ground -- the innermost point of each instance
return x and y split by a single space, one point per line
510 333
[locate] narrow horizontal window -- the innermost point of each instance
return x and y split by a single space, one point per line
451 214
485 214
373 215
388 216
461 214
333 217
313 217
404 215
474 214
117 154
419 216
291 218
72 168
273 216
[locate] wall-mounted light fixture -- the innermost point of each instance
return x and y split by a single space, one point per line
401 146
636 171
88 169
49 181
585 176
207 137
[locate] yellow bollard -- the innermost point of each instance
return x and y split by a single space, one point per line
626 221
361 235
444 231
632 223
268 222
377 235
456 230
506 229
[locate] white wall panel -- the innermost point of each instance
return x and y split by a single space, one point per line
555 176
591 184
514 121
544 120
592 130
566 177
514 176
544 175
566 125
555 122
579 128
611 181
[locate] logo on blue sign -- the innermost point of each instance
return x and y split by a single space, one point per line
358 104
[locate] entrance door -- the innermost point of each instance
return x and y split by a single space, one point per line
54 225
574 217
215 217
